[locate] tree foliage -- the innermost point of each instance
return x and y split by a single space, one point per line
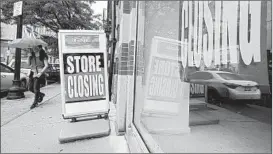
54 14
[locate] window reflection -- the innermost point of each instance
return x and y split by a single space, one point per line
181 75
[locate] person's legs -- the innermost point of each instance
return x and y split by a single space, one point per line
31 84
41 95
36 88
31 88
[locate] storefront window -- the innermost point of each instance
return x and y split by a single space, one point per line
188 51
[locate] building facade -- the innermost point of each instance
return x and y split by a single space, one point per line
159 43
8 33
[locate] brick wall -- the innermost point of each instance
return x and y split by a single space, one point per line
125 60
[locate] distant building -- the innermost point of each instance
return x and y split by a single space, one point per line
8 33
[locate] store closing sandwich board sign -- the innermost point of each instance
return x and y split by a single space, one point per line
84 79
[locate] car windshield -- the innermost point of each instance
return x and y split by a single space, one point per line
230 76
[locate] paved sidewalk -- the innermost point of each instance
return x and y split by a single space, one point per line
37 130
12 109
235 133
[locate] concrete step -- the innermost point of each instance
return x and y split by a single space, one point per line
158 123
203 117
196 104
84 130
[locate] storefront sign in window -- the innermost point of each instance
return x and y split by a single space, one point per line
164 81
197 90
232 25
165 92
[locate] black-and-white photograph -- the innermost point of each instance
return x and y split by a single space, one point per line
135 76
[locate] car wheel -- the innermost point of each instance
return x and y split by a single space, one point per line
24 84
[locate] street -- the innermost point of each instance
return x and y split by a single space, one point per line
259 113
256 112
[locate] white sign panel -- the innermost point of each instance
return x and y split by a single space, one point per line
165 92
84 78
17 8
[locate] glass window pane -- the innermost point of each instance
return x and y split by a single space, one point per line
167 37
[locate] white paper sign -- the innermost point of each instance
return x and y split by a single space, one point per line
17 8
83 69
164 92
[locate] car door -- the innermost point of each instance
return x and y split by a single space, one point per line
7 75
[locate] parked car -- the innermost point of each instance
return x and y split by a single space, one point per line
7 75
2 60
224 86
25 68
53 72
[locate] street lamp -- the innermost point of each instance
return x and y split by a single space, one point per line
16 92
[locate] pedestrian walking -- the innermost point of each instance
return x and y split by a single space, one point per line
38 61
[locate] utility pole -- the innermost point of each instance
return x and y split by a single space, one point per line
113 41
107 30
16 92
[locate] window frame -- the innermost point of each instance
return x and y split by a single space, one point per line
138 141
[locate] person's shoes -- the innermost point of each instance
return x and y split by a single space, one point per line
33 105
41 97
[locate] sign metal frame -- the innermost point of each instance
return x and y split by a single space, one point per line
88 107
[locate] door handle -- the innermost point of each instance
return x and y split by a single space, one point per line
3 76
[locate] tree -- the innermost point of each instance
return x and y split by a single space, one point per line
54 14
